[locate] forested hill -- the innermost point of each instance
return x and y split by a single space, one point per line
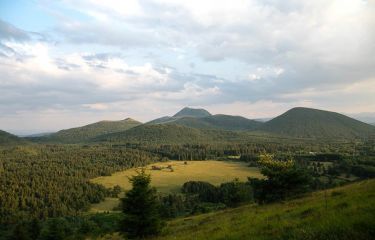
7 138
314 123
220 121
170 134
81 134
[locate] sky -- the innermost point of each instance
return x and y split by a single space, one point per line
67 63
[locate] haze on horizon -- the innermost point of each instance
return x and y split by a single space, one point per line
69 63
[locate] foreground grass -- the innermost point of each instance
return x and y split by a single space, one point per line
215 172
348 213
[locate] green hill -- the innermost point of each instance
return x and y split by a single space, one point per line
81 134
192 112
220 121
313 123
7 138
342 213
171 134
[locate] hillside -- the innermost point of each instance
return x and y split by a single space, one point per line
81 134
7 138
220 121
170 134
349 214
313 123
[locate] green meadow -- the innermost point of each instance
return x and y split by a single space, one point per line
166 180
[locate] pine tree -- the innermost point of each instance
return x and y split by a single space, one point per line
141 208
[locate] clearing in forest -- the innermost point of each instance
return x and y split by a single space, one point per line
170 176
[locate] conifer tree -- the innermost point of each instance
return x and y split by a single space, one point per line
141 208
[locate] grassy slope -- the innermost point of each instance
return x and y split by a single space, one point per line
350 214
165 181
313 123
81 134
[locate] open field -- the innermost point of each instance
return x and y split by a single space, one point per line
165 180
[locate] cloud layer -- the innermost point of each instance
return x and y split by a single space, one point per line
146 58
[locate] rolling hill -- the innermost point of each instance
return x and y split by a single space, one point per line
82 134
202 119
7 138
314 123
220 121
170 134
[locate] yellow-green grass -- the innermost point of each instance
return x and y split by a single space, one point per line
165 181
343 213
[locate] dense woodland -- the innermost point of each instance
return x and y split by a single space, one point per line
53 180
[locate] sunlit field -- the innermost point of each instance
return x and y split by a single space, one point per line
167 180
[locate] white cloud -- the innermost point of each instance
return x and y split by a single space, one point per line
247 57
265 72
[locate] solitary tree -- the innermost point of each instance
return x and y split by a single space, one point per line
141 208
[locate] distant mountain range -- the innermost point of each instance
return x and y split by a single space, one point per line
198 125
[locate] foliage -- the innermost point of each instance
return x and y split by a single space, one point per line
141 208
284 180
230 193
53 180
